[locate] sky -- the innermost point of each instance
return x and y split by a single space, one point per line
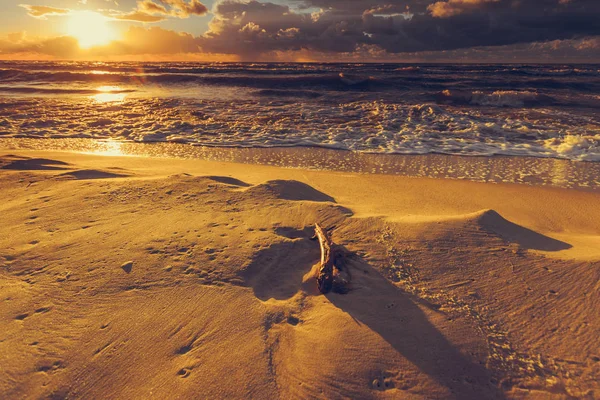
302 30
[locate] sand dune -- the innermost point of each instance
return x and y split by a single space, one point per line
192 279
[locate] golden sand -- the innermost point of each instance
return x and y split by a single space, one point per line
132 277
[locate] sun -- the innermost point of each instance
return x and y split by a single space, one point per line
90 29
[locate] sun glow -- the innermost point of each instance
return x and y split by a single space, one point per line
109 94
108 148
90 29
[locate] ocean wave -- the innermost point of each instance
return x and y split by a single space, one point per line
542 72
300 94
412 68
341 81
355 80
494 99
49 90
384 79
363 126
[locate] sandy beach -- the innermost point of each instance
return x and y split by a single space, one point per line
133 277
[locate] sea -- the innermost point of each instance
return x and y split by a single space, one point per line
547 111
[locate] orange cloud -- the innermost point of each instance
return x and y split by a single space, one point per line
42 11
455 7
167 8
136 44
182 9
147 11
138 16
151 7
59 47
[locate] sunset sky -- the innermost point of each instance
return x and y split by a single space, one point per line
302 30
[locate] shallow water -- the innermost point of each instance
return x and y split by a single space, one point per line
535 111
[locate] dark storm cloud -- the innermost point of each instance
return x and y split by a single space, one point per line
252 27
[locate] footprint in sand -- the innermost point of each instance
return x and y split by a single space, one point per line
389 380
184 372
49 366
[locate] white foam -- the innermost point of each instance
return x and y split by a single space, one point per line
579 147
365 126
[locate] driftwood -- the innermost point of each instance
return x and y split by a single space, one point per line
325 273
328 276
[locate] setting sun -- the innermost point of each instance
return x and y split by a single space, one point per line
90 29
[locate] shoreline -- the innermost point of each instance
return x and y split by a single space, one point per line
535 171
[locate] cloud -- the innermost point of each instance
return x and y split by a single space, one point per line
43 11
452 8
183 9
251 28
154 40
138 16
149 6
373 29
155 43
135 41
147 9
584 50
58 47
407 26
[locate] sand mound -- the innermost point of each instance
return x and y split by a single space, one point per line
491 221
292 190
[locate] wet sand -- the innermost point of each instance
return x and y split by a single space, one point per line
139 277
498 169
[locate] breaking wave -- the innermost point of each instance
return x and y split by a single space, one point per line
499 98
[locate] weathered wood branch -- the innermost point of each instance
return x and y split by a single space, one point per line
325 273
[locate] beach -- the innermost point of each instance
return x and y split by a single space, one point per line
148 277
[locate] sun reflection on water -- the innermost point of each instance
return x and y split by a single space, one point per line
109 94
108 148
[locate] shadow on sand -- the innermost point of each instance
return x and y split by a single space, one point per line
392 313
293 190
277 272
85 174
525 238
34 164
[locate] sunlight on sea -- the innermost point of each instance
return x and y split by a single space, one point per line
109 94
108 148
